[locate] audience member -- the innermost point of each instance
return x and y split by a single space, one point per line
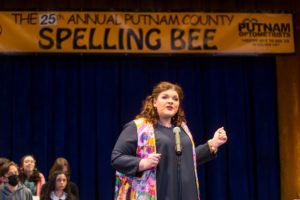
11 189
57 188
30 176
61 164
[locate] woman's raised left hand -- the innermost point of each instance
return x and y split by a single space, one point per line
219 138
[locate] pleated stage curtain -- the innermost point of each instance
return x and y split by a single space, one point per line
75 107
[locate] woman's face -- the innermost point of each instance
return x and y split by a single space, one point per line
65 169
28 164
167 104
60 182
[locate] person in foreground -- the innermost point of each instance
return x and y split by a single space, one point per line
144 154
10 189
57 188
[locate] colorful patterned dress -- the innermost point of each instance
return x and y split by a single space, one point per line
137 140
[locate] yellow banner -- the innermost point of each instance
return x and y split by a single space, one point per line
146 32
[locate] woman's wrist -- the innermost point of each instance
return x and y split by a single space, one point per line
212 147
141 165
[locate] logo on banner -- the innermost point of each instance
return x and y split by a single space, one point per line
253 28
264 35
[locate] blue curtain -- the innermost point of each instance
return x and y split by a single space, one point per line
75 107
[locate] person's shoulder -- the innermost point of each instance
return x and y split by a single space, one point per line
45 185
2 187
41 175
72 184
129 125
142 121
24 189
184 127
74 189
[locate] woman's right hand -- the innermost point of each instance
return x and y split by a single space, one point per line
150 162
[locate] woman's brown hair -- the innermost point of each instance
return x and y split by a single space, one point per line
58 165
34 177
50 187
149 112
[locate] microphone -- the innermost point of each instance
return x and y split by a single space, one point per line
178 146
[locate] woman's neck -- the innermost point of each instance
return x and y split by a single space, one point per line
165 122
58 193
28 174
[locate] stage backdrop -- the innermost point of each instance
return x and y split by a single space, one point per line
75 107
147 32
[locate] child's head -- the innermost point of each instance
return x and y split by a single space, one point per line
58 181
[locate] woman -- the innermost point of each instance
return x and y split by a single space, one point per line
61 164
57 187
144 154
30 176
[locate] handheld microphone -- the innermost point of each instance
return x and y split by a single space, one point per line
178 146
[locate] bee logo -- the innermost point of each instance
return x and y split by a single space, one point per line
248 24
248 21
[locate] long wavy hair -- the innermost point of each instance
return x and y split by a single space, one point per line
34 177
50 187
149 112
